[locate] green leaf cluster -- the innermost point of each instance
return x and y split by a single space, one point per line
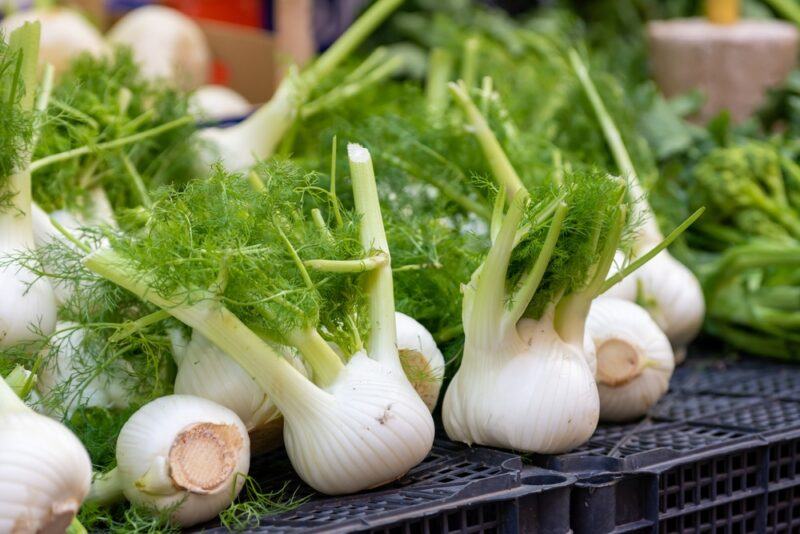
223 239
99 100
16 124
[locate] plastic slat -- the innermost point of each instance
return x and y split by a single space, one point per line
455 489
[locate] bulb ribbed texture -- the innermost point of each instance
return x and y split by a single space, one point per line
534 395
45 473
367 429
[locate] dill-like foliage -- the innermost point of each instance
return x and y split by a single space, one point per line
99 100
16 124
127 519
89 343
221 238
253 504
594 201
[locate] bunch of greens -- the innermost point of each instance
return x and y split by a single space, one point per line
106 339
746 251
107 127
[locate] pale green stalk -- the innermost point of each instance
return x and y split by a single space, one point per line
42 101
269 124
497 212
650 254
650 231
440 71
488 302
501 167
318 353
131 327
379 285
373 60
334 199
352 38
531 280
346 91
284 384
322 226
138 183
469 61
108 145
348 266
571 311
9 400
21 381
24 40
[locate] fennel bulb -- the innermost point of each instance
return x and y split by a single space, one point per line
534 393
354 425
27 305
422 360
45 471
665 287
218 102
672 295
634 358
65 35
525 380
74 377
257 137
204 370
166 44
179 453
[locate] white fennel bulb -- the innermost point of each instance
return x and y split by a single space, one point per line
358 424
536 395
628 287
180 453
27 302
257 137
45 471
373 408
670 292
528 328
422 360
166 44
666 287
70 373
65 35
206 371
526 379
634 358
218 102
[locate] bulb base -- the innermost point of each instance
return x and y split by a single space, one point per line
203 457
618 362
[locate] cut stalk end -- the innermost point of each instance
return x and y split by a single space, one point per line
203 457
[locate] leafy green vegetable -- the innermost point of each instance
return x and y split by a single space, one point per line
104 99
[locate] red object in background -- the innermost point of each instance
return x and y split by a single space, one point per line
220 75
243 12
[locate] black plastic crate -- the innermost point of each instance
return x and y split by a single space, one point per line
719 453
456 489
